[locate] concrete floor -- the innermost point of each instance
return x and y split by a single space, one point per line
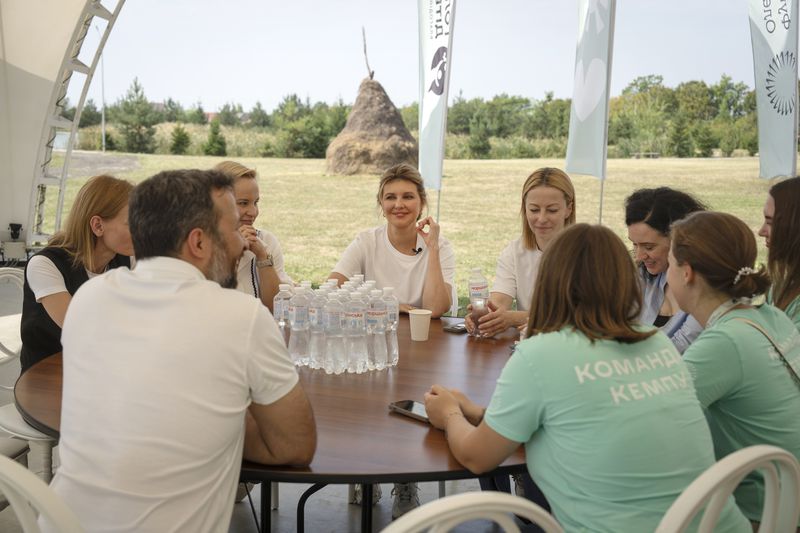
326 511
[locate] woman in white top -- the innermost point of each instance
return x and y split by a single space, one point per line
261 266
95 238
548 206
407 253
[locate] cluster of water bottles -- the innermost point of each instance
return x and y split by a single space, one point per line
347 329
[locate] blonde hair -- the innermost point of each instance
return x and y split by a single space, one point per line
600 307
546 177
404 172
103 196
236 170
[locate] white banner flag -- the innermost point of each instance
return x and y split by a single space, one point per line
436 19
588 119
773 31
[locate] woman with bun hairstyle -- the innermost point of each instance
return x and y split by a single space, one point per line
95 238
547 207
781 230
605 407
745 363
648 215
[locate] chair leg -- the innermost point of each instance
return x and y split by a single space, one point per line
45 451
274 496
442 491
351 492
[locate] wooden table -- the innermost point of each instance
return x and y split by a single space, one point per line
359 440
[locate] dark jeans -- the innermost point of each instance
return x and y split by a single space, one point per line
532 492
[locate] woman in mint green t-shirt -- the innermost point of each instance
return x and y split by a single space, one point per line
605 407
781 230
746 383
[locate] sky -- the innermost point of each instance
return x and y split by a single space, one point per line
245 51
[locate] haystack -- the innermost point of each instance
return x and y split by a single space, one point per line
374 137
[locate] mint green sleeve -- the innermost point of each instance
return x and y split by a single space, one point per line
715 366
793 312
516 409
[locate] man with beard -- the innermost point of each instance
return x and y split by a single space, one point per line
169 378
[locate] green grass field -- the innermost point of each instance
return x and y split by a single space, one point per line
316 215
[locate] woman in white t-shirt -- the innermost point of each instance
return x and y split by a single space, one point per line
95 238
548 206
261 266
407 253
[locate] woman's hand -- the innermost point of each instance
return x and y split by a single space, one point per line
472 411
468 322
440 404
430 237
497 320
254 244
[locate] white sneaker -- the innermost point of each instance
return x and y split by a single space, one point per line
376 494
406 498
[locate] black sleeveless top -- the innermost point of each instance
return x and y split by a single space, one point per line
41 336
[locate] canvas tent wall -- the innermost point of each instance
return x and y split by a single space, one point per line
40 42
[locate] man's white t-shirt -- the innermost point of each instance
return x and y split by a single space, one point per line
247 275
373 255
517 269
160 366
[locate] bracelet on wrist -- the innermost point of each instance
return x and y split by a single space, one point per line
266 262
447 419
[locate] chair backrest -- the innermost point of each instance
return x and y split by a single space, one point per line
14 275
712 488
30 498
10 342
447 513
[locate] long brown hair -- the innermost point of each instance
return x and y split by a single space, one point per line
783 260
567 292
546 177
104 196
718 246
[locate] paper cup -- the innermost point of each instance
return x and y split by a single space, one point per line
420 324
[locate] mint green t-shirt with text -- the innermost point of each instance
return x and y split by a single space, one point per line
749 395
613 432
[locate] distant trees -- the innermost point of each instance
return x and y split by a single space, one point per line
216 143
693 119
136 118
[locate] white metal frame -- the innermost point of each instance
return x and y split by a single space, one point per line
55 121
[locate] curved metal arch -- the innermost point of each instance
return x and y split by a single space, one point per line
55 120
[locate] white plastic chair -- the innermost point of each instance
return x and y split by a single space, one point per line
445 514
11 423
30 498
711 490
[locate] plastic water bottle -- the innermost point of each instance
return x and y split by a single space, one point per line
392 316
376 328
478 297
298 316
280 310
356 334
316 321
335 360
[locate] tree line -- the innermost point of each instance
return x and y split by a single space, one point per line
692 119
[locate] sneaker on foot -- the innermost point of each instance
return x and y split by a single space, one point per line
376 494
406 498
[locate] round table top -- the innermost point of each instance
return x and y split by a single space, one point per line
359 439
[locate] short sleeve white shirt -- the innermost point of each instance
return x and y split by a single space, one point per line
372 254
247 275
516 273
155 394
45 279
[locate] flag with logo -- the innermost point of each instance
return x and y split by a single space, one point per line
773 32
588 119
436 19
